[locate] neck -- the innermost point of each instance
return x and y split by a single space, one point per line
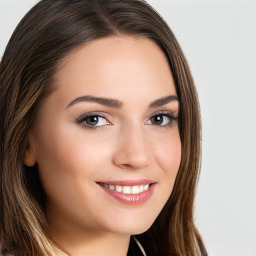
91 243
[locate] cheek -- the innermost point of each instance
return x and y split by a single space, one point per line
68 157
168 155
69 167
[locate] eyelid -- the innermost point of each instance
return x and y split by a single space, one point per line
164 112
82 118
94 113
170 114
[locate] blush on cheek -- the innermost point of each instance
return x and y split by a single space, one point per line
169 158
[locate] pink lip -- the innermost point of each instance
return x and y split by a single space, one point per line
130 199
128 182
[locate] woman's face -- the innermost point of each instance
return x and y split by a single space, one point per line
107 132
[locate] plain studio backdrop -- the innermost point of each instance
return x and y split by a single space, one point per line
218 38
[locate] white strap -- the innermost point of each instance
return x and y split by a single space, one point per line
140 246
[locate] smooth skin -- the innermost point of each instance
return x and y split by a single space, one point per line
128 139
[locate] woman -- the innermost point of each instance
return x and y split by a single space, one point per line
100 134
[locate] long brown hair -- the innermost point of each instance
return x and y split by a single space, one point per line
48 33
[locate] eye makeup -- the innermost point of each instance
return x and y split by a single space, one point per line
163 119
95 120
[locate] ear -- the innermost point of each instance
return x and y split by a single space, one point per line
30 157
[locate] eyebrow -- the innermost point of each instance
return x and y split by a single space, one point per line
103 101
164 100
118 104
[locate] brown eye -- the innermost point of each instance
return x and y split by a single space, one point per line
157 120
92 120
162 120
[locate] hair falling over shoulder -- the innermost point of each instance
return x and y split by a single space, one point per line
48 32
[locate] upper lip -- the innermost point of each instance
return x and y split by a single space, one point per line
132 182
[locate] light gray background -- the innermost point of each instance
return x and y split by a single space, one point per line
219 40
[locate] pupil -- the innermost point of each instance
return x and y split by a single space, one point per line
92 120
157 120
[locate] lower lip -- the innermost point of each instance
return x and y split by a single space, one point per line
131 199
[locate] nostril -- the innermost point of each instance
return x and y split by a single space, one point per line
127 166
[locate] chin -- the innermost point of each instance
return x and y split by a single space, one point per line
129 227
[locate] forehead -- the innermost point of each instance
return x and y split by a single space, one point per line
116 66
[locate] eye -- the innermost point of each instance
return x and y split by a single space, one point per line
161 119
92 121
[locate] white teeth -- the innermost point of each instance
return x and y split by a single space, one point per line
135 189
127 189
111 187
119 188
146 187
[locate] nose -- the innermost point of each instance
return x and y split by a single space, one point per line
133 149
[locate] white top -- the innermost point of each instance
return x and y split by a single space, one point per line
140 246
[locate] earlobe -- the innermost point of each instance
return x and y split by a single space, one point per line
30 158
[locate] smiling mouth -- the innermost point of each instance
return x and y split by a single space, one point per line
131 192
137 189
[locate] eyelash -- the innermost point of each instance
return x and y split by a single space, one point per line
82 119
172 118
